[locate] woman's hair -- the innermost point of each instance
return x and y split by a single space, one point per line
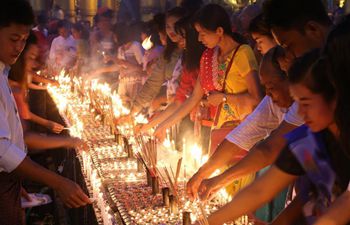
191 5
82 30
126 33
258 25
313 72
213 16
63 24
17 12
337 50
170 47
158 22
272 57
17 72
149 28
194 49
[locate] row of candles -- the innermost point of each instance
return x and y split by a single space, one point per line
125 170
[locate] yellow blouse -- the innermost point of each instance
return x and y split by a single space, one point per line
243 63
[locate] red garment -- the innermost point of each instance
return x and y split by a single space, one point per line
22 105
188 80
210 77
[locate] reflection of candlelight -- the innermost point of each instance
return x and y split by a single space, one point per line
147 43
109 170
141 119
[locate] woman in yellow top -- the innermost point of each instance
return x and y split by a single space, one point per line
241 86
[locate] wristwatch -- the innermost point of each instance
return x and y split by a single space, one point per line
224 99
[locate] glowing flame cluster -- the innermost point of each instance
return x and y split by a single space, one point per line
147 43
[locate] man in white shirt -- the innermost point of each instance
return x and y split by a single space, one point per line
16 19
63 51
275 112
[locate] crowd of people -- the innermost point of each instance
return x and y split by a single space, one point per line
264 91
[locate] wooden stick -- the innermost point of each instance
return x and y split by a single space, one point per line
179 162
206 222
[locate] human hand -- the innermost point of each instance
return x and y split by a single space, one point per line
160 133
215 98
71 194
137 129
325 221
145 128
125 119
193 185
55 127
78 144
208 188
25 195
54 83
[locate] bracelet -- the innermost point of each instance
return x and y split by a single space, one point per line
224 99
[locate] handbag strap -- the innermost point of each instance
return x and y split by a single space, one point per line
218 111
228 68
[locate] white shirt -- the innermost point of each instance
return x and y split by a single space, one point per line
12 148
151 55
266 117
63 51
174 82
134 52
45 32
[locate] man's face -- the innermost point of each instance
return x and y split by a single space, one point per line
295 42
275 85
63 31
12 41
104 24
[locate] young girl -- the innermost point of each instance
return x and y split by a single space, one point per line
312 152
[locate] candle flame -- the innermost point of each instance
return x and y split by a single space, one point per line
147 43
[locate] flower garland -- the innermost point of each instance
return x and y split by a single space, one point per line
211 73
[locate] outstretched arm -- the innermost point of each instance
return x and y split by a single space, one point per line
181 112
253 196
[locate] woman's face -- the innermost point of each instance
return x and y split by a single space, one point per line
208 38
182 40
263 43
30 58
317 113
170 25
162 37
